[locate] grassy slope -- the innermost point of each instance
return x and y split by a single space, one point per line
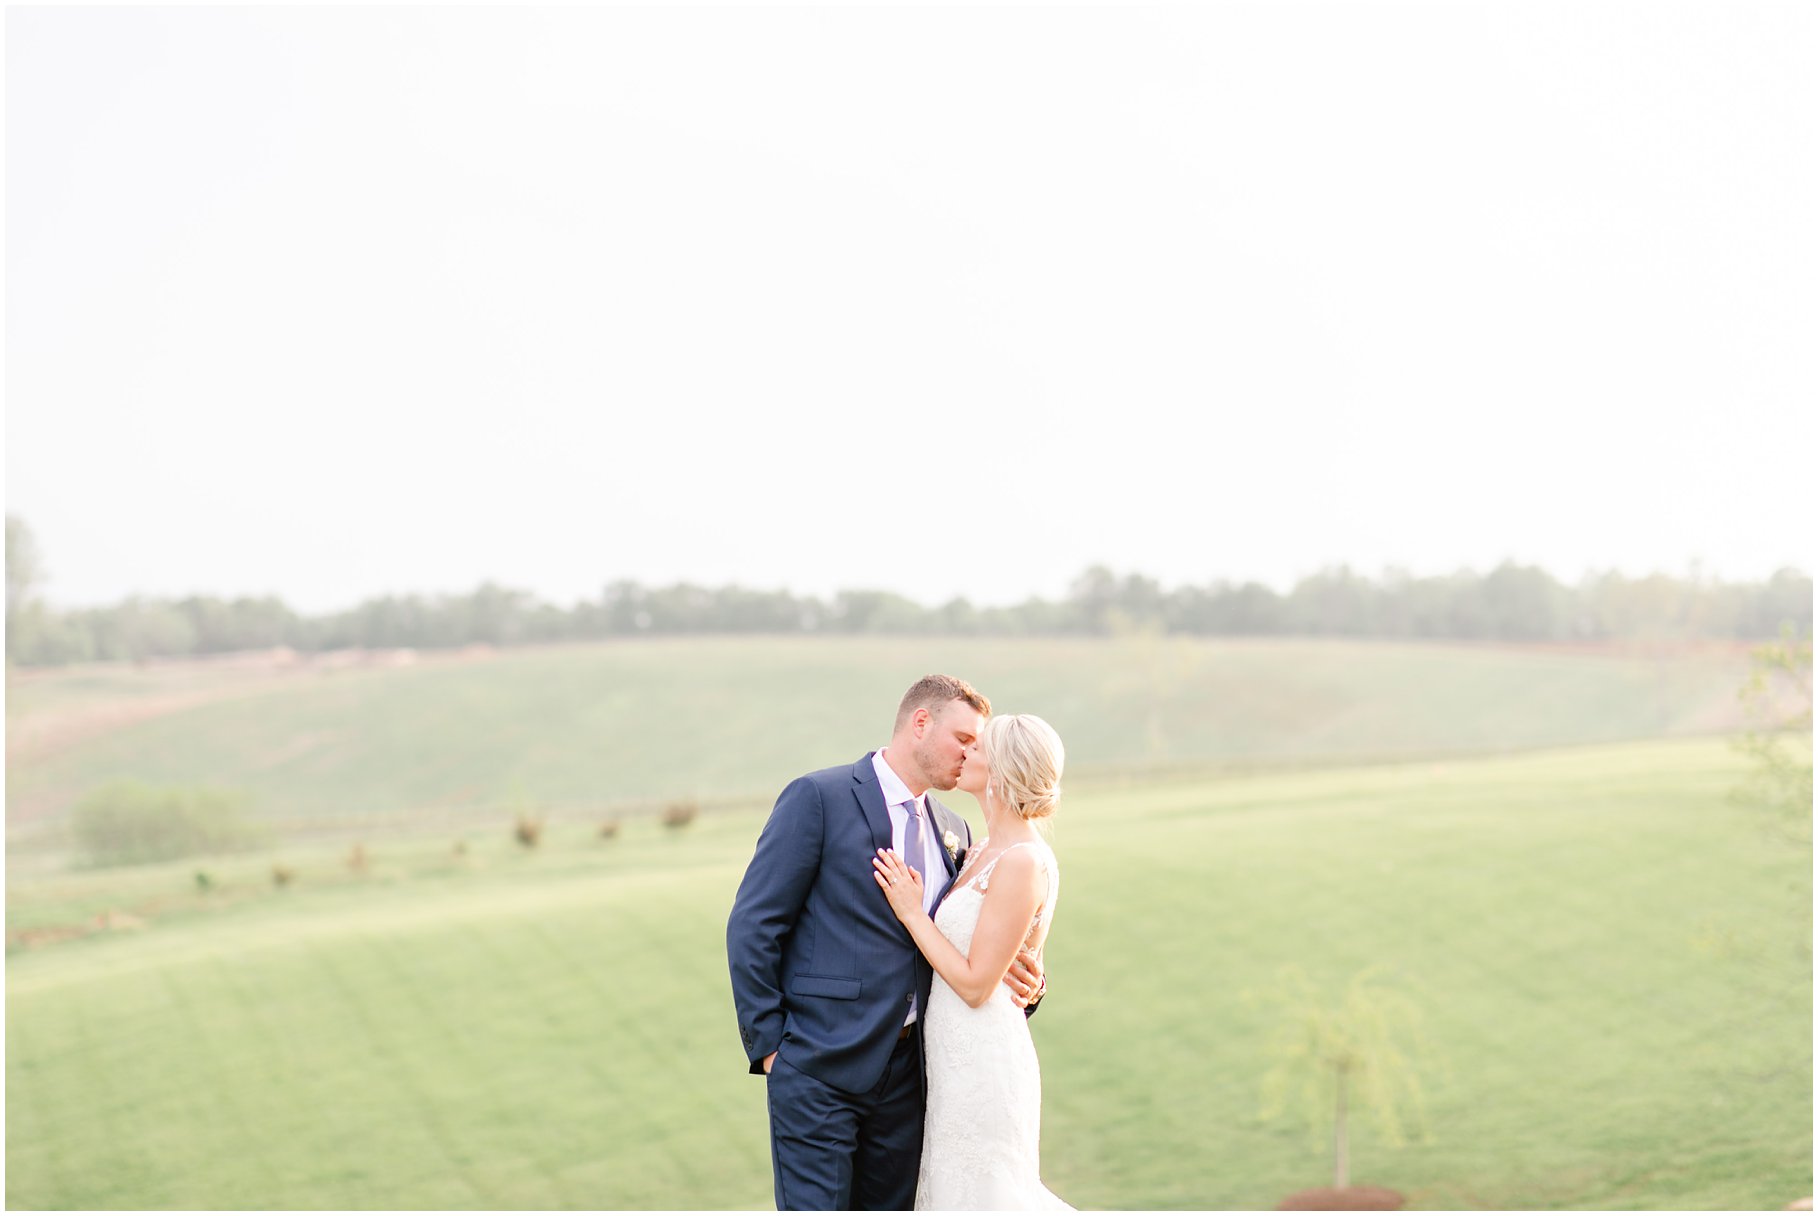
578 728
555 1030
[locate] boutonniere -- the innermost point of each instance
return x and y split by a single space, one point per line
951 840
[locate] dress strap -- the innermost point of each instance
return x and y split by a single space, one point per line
983 881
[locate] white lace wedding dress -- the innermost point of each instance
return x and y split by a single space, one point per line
981 1144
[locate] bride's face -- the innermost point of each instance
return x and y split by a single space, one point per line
974 775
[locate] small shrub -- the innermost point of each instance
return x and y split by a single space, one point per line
609 829
460 848
678 815
357 860
528 830
204 884
282 876
128 822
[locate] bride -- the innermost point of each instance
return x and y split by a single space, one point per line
981 1145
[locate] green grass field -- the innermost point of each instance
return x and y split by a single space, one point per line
1613 959
576 729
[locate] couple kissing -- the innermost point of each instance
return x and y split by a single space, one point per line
884 966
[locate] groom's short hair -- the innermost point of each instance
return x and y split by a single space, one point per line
935 692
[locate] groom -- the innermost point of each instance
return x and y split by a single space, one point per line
828 984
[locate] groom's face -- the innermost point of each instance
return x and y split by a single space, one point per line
942 750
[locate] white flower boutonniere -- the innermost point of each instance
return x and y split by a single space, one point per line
951 840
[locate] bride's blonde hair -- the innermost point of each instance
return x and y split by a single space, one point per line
1025 757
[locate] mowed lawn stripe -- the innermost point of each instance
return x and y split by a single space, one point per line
711 1110
37 1143
614 1061
308 1066
493 1113
420 1115
620 1003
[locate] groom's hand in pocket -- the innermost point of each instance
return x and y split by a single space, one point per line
1026 980
768 1061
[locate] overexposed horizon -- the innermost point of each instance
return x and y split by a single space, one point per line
343 302
1693 573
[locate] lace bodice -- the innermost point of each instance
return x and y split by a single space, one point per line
959 928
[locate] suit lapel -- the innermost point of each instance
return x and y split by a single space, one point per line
943 825
870 797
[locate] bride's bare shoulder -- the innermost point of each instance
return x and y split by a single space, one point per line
1016 863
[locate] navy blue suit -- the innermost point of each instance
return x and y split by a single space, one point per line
822 974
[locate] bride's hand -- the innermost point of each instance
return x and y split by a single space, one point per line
902 886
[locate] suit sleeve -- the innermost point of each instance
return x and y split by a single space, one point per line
771 897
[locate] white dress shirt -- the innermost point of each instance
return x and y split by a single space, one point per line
895 795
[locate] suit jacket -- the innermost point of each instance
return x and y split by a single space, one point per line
822 970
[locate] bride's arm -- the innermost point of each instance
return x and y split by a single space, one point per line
1003 923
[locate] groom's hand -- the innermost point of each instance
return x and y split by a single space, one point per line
1025 979
768 1061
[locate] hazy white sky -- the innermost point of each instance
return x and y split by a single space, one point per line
328 303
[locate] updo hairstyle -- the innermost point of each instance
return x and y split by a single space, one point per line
1025 758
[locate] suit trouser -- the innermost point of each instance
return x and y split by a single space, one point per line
837 1151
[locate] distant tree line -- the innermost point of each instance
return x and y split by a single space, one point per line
1510 603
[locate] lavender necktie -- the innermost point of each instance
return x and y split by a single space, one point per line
912 841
